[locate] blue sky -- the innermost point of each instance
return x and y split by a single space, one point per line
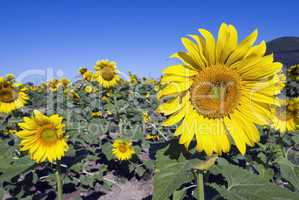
139 35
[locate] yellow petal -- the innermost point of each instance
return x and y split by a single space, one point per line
210 45
179 70
237 133
175 118
171 78
174 88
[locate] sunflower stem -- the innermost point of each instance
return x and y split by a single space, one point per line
200 186
58 181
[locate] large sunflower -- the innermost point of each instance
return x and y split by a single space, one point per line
286 115
122 149
106 73
43 137
12 95
220 91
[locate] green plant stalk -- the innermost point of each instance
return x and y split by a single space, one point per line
58 181
200 186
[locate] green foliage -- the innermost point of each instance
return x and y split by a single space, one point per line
170 174
241 184
289 172
11 165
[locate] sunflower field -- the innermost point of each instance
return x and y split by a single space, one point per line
222 123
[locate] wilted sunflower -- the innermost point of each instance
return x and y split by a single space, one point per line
122 149
43 137
106 73
286 115
220 91
12 95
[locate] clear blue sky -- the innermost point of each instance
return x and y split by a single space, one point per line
138 34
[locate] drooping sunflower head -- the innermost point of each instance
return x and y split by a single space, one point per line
285 115
12 95
220 91
106 73
122 149
43 137
82 70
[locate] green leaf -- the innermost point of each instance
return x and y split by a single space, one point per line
290 172
107 150
2 191
140 171
170 174
241 184
10 165
179 194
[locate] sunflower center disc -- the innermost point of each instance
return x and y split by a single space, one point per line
216 91
49 135
122 148
107 73
8 94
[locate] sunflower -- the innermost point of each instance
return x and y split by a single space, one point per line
12 95
146 117
286 115
152 137
82 70
122 149
89 89
220 91
96 114
88 75
43 137
106 73
293 72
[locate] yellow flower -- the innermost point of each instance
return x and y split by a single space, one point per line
153 137
10 131
88 89
88 75
109 93
293 72
105 98
122 150
73 94
53 85
286 115
220 91
109 112
9 77
65 82
106 73
133 78
43 137
146 117
156 88
96 114
82 70
12 96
